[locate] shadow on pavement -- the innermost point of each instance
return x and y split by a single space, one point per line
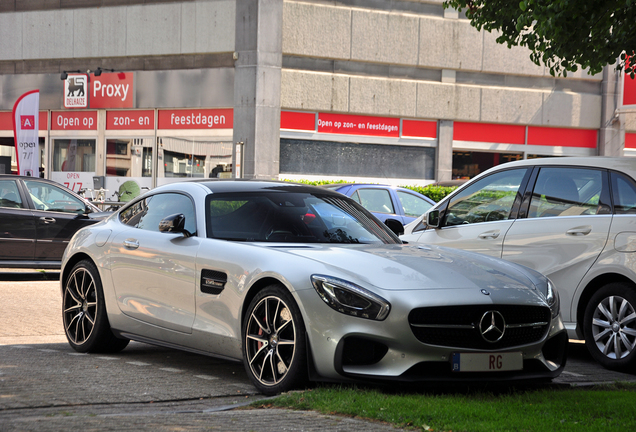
29 275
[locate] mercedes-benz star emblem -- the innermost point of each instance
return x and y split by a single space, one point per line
492 326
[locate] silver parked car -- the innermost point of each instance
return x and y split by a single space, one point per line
573 220
301 282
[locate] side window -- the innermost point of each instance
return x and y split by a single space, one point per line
624 194
9 195
413 205
54 198
566 192
489 199
147 213
376 200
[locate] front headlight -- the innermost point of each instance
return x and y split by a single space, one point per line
350 299
552 299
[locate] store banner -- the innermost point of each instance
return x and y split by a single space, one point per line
358 125
25 130
74 120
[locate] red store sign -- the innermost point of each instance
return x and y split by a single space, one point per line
196 119
74 120
130 120
358 125
6 121
109 90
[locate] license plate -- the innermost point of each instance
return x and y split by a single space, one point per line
487 362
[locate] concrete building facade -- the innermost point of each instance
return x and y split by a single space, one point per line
392 91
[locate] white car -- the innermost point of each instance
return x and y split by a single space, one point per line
572 219
301 282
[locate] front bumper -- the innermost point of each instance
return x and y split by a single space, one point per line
349 348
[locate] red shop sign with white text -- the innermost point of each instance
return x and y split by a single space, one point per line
358 125
74 120
130 120
111 90
196 119
6 120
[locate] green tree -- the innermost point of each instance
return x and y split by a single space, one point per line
561 34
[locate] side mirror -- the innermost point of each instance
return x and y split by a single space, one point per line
395 226
432 218
174 224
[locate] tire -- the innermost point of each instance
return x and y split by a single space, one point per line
610 327
274 347
84 312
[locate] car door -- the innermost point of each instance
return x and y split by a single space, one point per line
58 214
412 206
565 228
154 273
17 224
379 202
478 217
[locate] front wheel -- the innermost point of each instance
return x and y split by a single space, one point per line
84 312
610 326
274 348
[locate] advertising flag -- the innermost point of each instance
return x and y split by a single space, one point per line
25 129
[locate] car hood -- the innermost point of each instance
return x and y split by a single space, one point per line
408 267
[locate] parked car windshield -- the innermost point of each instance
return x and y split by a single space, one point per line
292 217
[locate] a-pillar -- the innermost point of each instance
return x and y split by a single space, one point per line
257 84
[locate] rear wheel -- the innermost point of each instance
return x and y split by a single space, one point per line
610 326
274 348
84 312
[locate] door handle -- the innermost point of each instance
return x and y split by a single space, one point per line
47 220
579 231
489 235
131 244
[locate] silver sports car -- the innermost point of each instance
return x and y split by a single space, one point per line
302 283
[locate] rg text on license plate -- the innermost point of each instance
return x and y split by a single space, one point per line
487 362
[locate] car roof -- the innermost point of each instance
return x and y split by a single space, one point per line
619 163
244 185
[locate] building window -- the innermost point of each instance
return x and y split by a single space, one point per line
74 155
353 159
467 164
129 157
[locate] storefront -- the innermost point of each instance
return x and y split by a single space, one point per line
480 146
328 146
103 144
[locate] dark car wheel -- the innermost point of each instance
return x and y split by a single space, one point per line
84 312
610 326
274 351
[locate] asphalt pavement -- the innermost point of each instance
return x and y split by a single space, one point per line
46 386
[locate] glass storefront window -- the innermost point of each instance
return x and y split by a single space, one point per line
353 159
74 155
129 157
193 158
467 164
8 164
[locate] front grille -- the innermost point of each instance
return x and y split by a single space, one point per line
458 326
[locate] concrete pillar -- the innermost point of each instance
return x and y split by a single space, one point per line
257 79
611 140
444 160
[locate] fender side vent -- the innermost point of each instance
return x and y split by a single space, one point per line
212 282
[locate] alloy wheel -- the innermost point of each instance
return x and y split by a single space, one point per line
80 306
614 327
270 340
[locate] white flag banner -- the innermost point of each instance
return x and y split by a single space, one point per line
25 129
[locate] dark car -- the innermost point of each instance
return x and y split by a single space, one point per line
387 202
38 217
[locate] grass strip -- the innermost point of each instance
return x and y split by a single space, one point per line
604 408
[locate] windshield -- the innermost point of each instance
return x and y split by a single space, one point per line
293 218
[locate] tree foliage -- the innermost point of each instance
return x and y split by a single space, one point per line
564 35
